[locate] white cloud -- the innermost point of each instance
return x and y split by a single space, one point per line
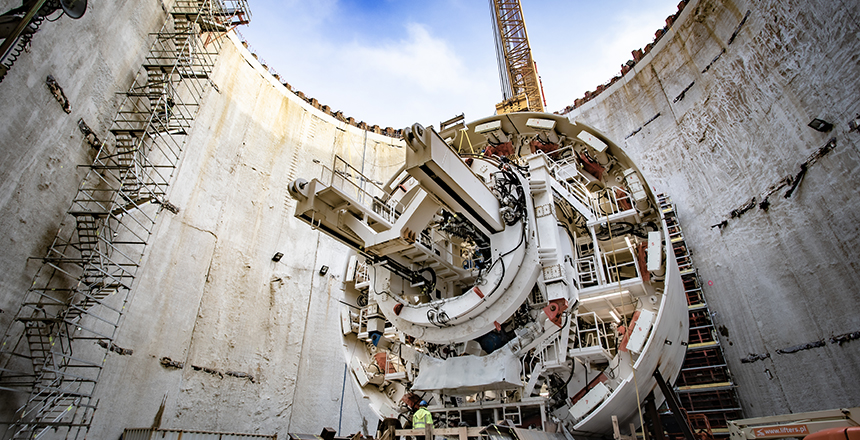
417 78
438 65
593 52
422 61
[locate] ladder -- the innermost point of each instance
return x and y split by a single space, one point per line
705 386
50 353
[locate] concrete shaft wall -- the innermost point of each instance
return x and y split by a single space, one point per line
208 294
714 132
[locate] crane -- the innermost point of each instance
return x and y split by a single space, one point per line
521 87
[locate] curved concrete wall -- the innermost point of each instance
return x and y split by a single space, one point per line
209 295
41 146
715 114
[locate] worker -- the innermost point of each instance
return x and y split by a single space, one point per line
422 418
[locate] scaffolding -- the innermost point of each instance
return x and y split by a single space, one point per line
55 349
705 387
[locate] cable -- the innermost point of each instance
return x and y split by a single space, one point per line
373 285
348 304
429 285
501 259
62 12
564 385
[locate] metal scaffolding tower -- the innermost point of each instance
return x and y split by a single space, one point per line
521 87
705 386
55 349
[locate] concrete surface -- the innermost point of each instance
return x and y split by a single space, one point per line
210 296
41 145
781 277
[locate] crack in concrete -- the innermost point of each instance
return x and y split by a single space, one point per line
203 295
845 337
738 29
754 357
116 348
305 330
214 372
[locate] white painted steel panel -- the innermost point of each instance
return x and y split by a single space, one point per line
543 124
640 332
655 251
589 401
592 141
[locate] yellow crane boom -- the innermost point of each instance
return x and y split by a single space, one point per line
521 86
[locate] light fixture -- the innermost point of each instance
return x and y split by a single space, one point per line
615 317
544 391
854 124
627 240
277 257
820 125
605 296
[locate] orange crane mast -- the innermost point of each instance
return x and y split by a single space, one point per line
521 87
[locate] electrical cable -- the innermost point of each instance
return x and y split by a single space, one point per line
348 304
62 12
520 216
429 285
501 259
564 386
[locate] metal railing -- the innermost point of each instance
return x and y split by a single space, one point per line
586 271
362 275
590 334
367 192
567 174
553 351
615 270
611 201
84 283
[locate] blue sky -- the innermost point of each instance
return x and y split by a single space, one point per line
397 62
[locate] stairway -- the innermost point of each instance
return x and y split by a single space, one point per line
705 386
82 287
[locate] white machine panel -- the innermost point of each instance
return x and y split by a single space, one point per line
385 410
489 126
634 183
589 401
640 332
592 141
655 251
543 124
350 269
359 372
345 321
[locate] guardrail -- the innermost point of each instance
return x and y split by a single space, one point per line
351 181
611 201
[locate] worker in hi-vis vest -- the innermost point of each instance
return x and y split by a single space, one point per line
422 418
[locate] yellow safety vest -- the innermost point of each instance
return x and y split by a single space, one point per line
421 419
